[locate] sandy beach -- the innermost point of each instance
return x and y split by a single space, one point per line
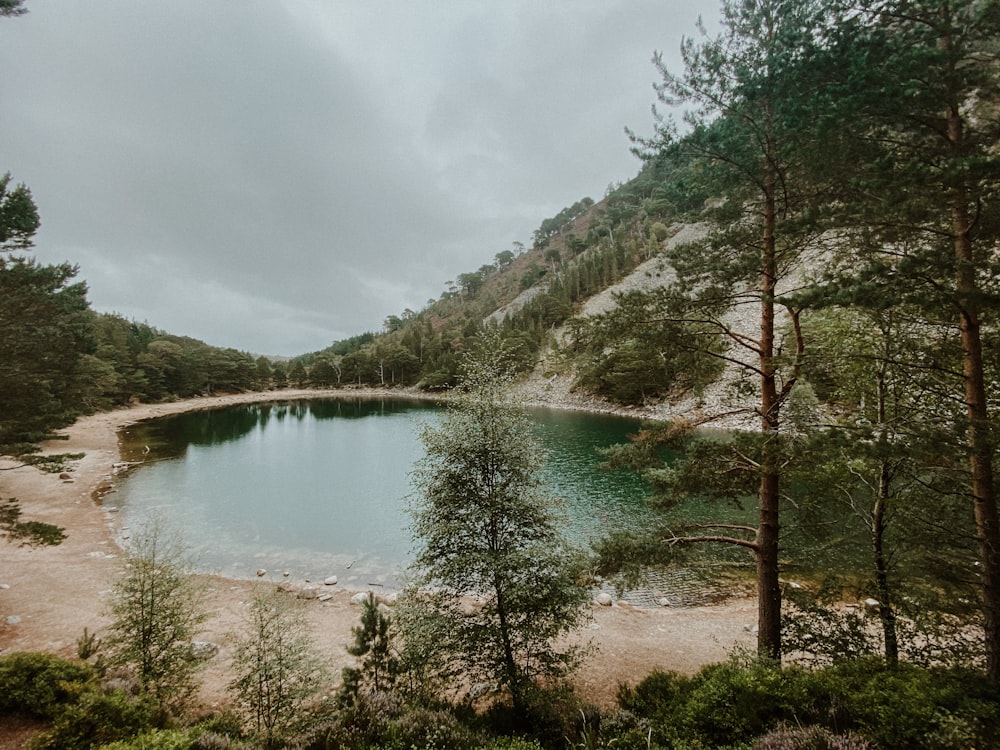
48 595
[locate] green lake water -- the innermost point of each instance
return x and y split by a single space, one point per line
320 488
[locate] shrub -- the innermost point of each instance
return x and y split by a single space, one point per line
910 706
659 694
158 739
512 743
809 738
36 684
97 718
731 703
441 730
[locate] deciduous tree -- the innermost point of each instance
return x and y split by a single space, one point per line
499 585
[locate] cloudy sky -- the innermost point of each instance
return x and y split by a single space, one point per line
274 175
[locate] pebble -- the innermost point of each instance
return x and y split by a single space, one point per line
331 581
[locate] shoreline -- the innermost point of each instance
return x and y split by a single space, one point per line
49 594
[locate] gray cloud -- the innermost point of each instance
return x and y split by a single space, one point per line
273 176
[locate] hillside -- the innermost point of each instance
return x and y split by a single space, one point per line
547 298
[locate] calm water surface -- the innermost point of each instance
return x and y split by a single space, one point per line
320 487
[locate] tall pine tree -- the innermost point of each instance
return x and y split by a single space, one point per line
749 142
916 106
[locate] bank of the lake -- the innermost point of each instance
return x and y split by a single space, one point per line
50 594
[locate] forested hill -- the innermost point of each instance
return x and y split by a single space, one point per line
532 293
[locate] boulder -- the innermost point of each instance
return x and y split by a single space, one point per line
604 599
202 650
330 581
308 592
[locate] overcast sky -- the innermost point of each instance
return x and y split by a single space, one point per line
274 175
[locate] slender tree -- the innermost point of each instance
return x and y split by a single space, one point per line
156 610
486 531
373 645
276 666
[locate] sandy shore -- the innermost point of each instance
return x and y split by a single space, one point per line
48 595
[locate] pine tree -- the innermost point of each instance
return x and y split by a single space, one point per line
917 110
749 141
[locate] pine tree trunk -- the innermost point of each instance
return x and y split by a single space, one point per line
768 586
979 441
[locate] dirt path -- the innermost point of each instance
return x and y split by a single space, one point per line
49 595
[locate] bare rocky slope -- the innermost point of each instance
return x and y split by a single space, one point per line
552 381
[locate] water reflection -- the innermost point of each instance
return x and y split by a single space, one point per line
320 487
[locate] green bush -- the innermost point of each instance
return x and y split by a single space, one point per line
734 704
512 743
441 730
909 706
97 718
658 695
731 703
36 684
158 739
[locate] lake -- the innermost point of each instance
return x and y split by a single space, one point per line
320 487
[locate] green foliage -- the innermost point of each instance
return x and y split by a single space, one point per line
87 645
844 706
38 684
374 642
95 719
277 670
52 463
157 739
18 215
910 706
27 533
43 333
381 720
484 527
558 223
156 610
638 352
513 743
12 8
